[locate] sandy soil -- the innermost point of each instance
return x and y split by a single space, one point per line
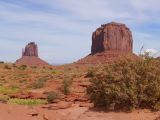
16 112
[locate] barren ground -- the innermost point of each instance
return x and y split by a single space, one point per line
18 80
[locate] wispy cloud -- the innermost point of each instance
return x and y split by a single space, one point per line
63 28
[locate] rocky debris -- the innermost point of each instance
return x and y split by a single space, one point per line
28 95
105 57
57 106
86 105
45 117
33 113
109 42
30 56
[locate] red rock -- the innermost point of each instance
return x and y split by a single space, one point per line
109 42
86 105
112 37
30 56
28 95
57 106
45 117
30 50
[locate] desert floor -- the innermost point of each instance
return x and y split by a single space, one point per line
17 112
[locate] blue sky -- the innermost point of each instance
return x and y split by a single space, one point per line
63 28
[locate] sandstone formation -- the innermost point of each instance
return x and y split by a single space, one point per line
109 42
30 50
30 56
112 37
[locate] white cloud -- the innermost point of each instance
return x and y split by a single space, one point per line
63 28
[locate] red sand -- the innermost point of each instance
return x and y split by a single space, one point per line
16 112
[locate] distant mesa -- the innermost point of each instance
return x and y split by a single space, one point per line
108 42
30 56
30 50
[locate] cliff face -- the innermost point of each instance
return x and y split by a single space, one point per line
109 42
112 37
30 50
30 56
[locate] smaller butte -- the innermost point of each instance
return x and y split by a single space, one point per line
30 56
109 42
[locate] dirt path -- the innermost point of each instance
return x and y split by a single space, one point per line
15 112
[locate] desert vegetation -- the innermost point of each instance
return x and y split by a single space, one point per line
26 101
126 84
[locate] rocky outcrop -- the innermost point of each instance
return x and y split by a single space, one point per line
30 56
30 50
112 37
109 42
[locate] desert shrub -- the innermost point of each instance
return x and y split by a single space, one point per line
67 82
127 84
91 72
4 98
14 65
51 96
1 62
26 101
22 67
7 67
39 83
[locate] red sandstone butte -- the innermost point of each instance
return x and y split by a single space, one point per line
109 42
30 56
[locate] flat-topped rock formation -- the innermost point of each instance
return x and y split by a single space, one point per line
109 42
30 56
112 37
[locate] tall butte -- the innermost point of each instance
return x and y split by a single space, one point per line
30 56
109 42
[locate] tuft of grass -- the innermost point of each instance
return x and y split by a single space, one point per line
4 98
27 101
10 90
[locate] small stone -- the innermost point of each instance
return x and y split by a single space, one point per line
33 113
45 117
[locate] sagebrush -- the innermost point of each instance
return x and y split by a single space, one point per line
127 84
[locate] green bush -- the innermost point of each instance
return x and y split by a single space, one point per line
51 96
8 90
67 82
39 83
127 84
